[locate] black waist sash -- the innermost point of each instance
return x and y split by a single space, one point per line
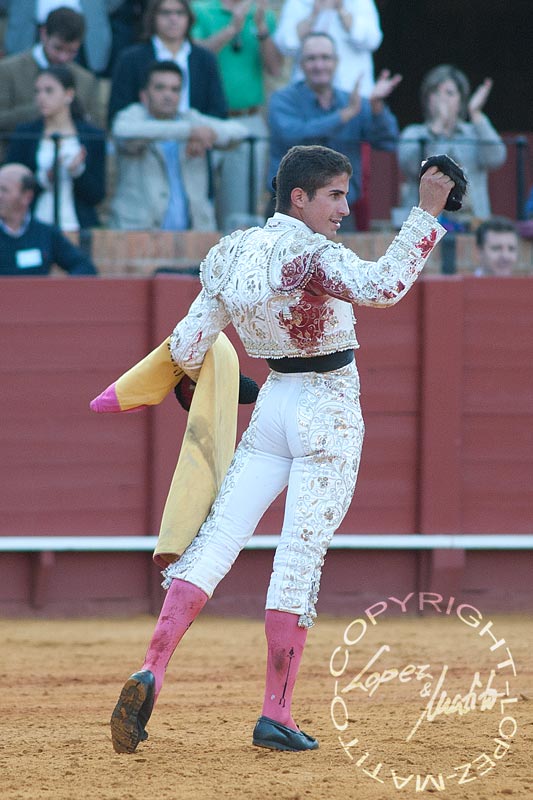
313 363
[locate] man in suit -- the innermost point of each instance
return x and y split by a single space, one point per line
23 20
60 39
29 247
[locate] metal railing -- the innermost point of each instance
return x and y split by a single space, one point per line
517 143
343 541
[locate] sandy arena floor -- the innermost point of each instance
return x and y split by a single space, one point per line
60 681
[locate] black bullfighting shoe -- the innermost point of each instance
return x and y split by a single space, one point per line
271 734
132 712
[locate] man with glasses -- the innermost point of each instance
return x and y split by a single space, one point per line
315 111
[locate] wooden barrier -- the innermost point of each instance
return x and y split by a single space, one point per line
128 253
447 389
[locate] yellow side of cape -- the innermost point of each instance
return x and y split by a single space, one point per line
206 451
209 440
150 380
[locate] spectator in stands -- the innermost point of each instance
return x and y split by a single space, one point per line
239 33
60 40
26 15
497 247
353 25
29 247
454 123
314 111
162 170
80 177
126 31
167 29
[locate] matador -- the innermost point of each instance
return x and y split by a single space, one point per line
289 289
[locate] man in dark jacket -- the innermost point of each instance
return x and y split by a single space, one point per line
29 247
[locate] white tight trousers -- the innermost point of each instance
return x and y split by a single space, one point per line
306 433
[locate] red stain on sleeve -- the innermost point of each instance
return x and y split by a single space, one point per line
193 349
427 244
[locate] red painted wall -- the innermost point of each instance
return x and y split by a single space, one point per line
447 394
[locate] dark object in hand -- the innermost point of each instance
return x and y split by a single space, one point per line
248 391
452 169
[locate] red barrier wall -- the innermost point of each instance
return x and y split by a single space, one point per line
447 390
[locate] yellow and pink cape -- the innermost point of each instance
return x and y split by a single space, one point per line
209 439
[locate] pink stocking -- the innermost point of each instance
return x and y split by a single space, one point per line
286 642
182 604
